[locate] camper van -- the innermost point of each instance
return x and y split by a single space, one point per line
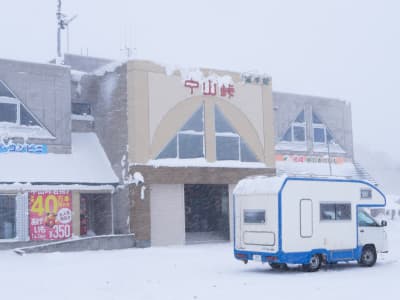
307 221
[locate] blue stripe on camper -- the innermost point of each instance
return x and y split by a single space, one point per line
304 257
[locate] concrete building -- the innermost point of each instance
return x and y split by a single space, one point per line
313 136
178 140
54 183
159 150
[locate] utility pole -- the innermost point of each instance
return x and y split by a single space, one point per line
329 157
62 24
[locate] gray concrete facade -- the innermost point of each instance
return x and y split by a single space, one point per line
45 90
106 93
334 113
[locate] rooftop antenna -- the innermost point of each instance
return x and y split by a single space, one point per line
126 49
62 24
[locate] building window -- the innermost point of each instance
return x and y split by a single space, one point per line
13 111
8 112
319 135
299 133
335 211
190 145
320 131
81 109
229 144
297 130
189 141
7 217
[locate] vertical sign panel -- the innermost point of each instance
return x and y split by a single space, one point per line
306 218
50 215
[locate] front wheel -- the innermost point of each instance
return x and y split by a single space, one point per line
368 256
314 264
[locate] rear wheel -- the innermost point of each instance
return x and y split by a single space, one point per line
368 256
278 266
314 263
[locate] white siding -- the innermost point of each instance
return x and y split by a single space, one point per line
22 216
230 191
167 207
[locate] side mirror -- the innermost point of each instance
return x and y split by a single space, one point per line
383 223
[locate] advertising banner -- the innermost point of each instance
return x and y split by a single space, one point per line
50 215
310 159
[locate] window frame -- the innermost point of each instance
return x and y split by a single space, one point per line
249 210
323 127
240 140
300 125
367 216
15 233
230 135
76 108
4 100
335 219
18 104
188 133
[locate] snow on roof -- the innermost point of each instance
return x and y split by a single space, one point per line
259 185
346 169
201 162
87 164
58 187
108 68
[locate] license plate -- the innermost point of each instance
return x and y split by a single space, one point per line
257 257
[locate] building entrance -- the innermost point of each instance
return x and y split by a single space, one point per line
206 212
95 214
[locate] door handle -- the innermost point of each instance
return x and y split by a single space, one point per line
362 230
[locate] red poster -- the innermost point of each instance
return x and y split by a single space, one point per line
50 215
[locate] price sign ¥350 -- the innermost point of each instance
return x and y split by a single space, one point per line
50 215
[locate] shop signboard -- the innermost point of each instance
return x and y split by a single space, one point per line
23 148
210 88
310 159
50 215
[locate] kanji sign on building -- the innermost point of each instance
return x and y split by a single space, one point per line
210 88
50 215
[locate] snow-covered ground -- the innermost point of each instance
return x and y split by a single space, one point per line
206 271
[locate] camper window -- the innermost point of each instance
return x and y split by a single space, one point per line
365 220
254 216
335 211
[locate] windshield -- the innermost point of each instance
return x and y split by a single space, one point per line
364 219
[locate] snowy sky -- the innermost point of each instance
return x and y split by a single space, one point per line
347 49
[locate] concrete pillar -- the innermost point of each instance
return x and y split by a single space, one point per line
209 131
140 218
76 213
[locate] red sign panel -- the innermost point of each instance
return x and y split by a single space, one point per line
50 215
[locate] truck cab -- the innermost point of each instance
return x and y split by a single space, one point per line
371 236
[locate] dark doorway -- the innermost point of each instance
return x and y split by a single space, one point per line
206 212
95 216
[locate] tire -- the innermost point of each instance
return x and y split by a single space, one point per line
368 256
278 266
314 263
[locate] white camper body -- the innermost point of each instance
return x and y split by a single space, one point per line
306 221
